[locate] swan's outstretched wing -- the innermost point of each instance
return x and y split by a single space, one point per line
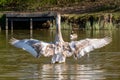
80 48
34 47
25 44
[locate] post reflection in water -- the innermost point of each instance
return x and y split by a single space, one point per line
68 72
31 33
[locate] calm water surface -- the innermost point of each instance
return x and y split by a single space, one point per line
102 64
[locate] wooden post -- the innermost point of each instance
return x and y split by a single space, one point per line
6 24
12 27
31 27
11 24
0 27
31 24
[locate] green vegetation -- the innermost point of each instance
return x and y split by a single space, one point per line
43 5
81 21
100 20
83 8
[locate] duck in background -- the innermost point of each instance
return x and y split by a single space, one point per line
73 35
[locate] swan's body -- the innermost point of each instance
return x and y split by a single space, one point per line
73 36
60 49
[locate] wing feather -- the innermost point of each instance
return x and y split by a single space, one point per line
25 44
80 48
34 47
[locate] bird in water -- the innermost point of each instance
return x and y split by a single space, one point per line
73 36
60 49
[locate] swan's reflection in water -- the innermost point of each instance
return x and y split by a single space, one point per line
68 72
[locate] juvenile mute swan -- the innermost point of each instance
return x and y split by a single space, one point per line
60 49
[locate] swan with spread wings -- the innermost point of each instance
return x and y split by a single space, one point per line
60 49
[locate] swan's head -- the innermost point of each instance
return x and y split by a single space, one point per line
57 15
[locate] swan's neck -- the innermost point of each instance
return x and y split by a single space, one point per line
58 37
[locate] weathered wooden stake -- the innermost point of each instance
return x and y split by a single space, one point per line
12 27
31 24
6 24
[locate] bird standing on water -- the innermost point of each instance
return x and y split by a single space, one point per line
60 49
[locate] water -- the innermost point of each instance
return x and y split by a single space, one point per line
102 64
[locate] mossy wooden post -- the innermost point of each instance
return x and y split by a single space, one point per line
6 27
